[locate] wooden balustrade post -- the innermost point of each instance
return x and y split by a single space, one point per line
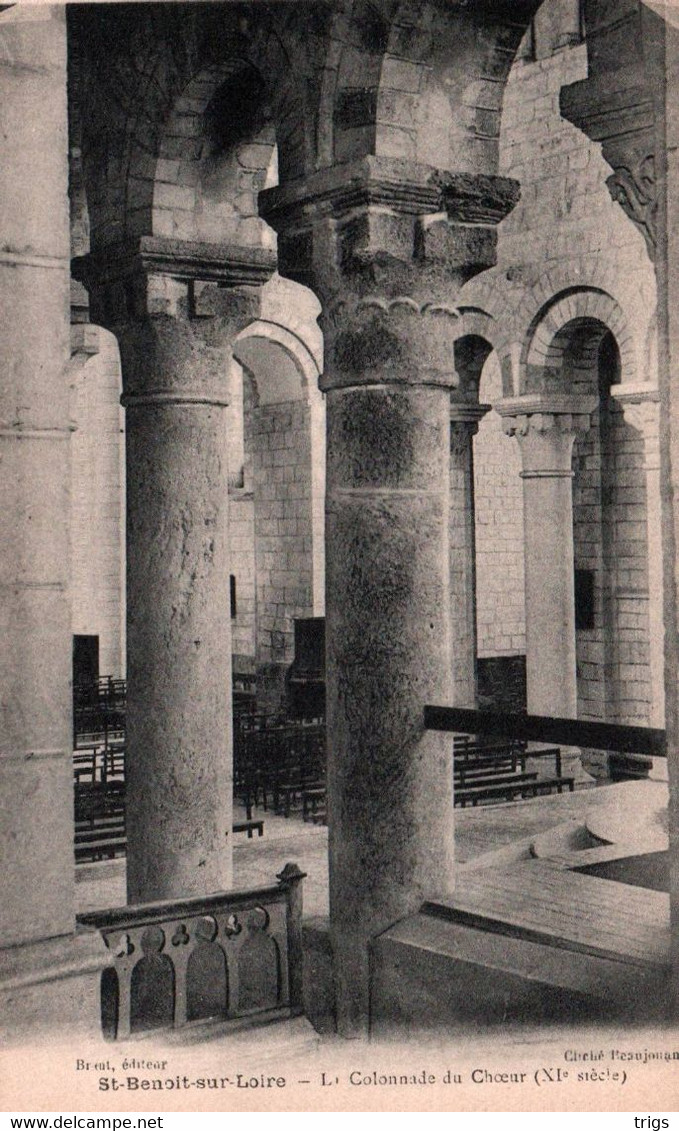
291 880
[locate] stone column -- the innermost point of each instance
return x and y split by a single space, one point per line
389 326
176 309
642 410
546 427
48 975
464 424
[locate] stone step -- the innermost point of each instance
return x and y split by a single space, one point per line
252 1045
432 975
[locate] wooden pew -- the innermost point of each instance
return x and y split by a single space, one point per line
509 791
492 769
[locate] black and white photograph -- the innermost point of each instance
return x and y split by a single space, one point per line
339 555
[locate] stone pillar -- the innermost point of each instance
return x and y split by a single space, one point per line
48 974
546 427
176 309
351 234
464 424
642 410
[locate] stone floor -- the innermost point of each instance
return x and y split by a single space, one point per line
480 831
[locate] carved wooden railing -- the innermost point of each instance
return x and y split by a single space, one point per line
218 958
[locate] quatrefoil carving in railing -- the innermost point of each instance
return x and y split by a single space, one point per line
181 936
206 929
258 919
232 926
123 947
153 940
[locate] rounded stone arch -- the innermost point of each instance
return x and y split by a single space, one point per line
283 413
164 69
471 352
477 322
358 36
487 301
389 87
215 151
280 362
548 336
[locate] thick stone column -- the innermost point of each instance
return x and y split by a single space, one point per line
48 975
176 356
641 407
372 243
464 424
546 427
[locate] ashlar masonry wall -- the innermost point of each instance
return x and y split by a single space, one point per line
98 496
278 444
498 507
566 232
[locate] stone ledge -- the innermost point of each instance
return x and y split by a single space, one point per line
52 985
182 259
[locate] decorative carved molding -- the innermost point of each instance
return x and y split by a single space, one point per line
471 198
406 304
546 427
468 413
542 404
408 188
635 190
181 259
384 339
411 189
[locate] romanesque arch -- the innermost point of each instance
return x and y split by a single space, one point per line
282 502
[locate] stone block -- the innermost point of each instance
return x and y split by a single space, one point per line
400 75
395 141
167 171
175 196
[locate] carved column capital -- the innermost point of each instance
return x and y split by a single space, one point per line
175 308
546 427
381 340
641 407
385 245
351 223
465 418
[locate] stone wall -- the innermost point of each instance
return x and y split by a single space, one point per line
566 211
98 496
277 441
498 504
628 672
566 232
242 545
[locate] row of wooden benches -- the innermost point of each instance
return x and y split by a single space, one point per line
497 771
107 838
100 829
284 767
276 761
281 766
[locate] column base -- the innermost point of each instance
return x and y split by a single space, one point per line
51 988
573 766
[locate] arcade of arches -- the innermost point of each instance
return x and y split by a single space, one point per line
386 292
